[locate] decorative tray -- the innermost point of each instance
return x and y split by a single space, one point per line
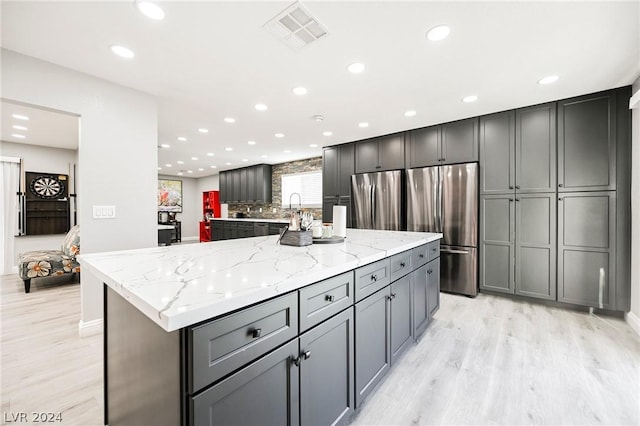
331 240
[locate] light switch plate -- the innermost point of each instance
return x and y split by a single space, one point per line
104 212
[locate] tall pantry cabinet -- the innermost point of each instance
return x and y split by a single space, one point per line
555 201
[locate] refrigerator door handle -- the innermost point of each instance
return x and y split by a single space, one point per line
440 202
373 206
454 251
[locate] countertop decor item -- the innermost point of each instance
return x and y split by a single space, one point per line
297 238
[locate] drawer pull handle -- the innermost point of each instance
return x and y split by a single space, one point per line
329 298
306 355
296 361
429 271
421 255
256 332
374 277
434 249
402 264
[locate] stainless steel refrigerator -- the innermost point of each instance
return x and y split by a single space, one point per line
377 200
445 199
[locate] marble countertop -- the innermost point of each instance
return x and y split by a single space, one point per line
252 219
177 286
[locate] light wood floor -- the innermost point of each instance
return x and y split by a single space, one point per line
488 360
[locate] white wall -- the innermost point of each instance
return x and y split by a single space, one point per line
209 183
39 159
633 317
117 156
191 207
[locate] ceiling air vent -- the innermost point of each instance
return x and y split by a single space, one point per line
296 27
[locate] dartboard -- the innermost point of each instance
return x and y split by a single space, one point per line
47 187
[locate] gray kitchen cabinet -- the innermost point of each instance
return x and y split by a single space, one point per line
450 143
419 288
230 231
276 228
372 342
433 287
587 143
497 153
371 278
245 230
327 372
337 167
535 245
517 244
400 316
265 392
217 230
324 299
497 242
380 154
535 150
518 150
586 248
260 229
246 185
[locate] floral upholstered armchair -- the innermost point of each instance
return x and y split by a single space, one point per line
46 263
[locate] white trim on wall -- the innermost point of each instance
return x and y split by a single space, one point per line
90 328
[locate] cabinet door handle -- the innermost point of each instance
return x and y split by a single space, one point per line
393 295
511 200
510 186
429 271
560 199
374 277
402 264
421 255
296 361
329 298
517 199
306 355
560 185
256 332
517 186
389 297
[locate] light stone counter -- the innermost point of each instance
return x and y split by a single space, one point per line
250 219
178 286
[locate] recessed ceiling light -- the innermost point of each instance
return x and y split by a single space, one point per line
356 68
180 173
264 156
180 162
251 142
548 79
229 120
261 107
228 148
122 51
181 138
363 124
438 33
227 164
410 113
245 160
327 133
20 117
214 167
167 165
159 168
286 151
19 127
203 130
313 145
150 10
300 91
189 171
165 145
200 169
194 158
470 98
15 135
210 154
279 135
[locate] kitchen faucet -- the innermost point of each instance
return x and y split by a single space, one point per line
299 200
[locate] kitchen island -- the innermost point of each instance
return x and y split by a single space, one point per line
251 332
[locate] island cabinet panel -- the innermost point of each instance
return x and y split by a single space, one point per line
433 287
419 289
322 300
371 278
221 346
327 372
372 342
401 265
263 393
400 316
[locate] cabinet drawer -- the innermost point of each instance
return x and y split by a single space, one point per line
401 265
325 299
371 278
226 344
433 250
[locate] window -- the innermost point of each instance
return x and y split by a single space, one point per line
308 185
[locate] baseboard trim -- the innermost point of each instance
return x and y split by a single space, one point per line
633 320
90 328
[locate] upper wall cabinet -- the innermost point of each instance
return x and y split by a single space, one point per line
518 150
337 168
450 143
380 154
587 143
246 185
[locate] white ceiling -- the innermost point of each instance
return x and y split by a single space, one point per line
209 60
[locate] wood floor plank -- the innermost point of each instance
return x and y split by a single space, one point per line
484 361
